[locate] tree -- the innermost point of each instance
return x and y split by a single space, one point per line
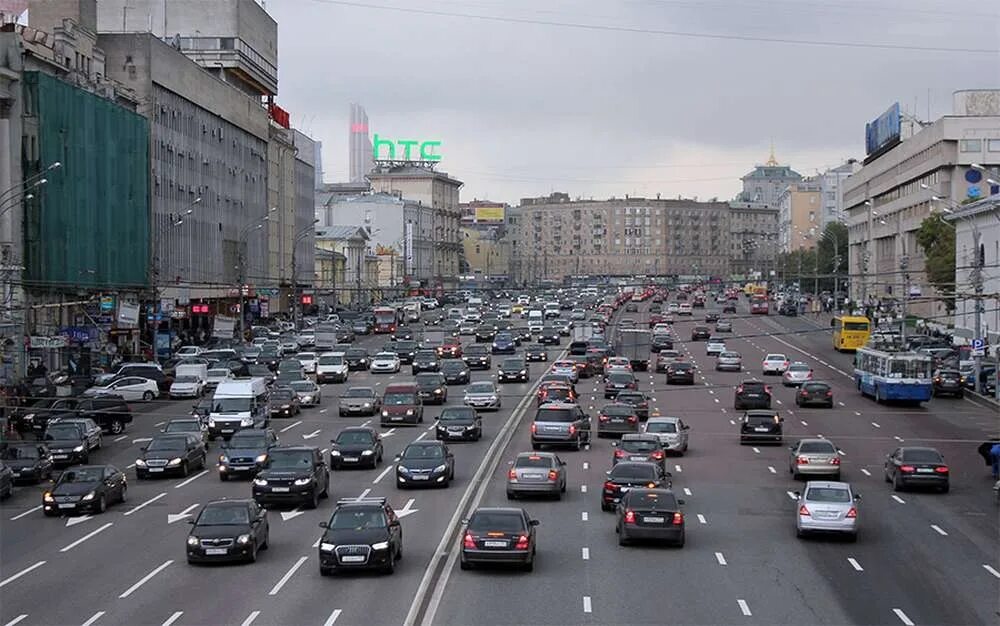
937 240
832 243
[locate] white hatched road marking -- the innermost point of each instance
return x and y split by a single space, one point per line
903 617
744 607
855 564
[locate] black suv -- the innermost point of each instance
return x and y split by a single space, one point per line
35 417
661 341
432 386
549 336
406 349
425 361
949 382
485 333
515 369
356 446
295 474
701 333
175 453
477 356
455 371
357 359
362 533
752 394
761 426
111 413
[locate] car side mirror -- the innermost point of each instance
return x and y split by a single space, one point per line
398 457
562 463
680 501
144 448
533 522
324 525
797 494
607 473
857 497
190 521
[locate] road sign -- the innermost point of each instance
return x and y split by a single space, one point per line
978 347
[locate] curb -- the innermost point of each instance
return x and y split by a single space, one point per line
982 401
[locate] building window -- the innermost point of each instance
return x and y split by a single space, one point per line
970 145
993 145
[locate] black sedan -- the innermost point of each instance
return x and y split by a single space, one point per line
814 393
536 352
549 336
624 476
912 466
357 359
512 369
650 514
459 423
425 361
85 489
172 454
680 373
701 333
357 446
362 533
499 536
761 426
29 461
228 530
284 402
456 372
425 463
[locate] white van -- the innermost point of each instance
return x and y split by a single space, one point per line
238 403
536 321
474 303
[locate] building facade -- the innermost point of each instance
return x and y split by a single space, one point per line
888 199
832 192
305 202
799 216
359 157
558 237
753 236
978 223
767 182
352 243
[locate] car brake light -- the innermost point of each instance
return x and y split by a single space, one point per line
658 454
603 418
678 518
802 461
610 486
630 516
767 388
804 393
512 474
553 474
739 389
852 513
534 428
619 453
906 468
804 511
632 419
469 542
651 485
522 543
941 470
572 429
829 394
835 460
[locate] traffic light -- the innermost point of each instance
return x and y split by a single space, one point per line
307 299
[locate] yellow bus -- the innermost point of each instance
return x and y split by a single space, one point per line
850 332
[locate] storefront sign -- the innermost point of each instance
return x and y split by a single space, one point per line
48 343
408 248
387 148
128 314
107 304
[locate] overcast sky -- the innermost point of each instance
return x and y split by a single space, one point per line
524 108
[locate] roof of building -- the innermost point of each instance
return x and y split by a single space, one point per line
985 205
338 231
773 171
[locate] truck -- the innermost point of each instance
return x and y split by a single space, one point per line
635 344
580 335
324 336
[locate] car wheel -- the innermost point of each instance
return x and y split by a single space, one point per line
530 565
117 427
878 395
185 470
326 488
464 565
313 501
680 542
124 494
252 558
897 484
511 495
102 504
147 396
267 541
223 476
324 571
945 488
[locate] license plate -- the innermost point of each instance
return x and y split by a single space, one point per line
227 430
215 551
351 459
638 458
60 456
761 429
617 420
67 506
156 469
280 489
454 433
421 477
925 470
353 559
495 544
396 418
653 520
17 474
533 476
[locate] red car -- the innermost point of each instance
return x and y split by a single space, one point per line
451 348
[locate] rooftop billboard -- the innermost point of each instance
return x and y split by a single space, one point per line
883 130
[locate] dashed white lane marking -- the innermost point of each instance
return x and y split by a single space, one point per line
284 579
876 425
93 618
678 469
422 435
382 475
145 504
289 427
902 617
756 450
723 410
744 607
939 530
173 618
190 480
855 564
10 579
586 465
330 621
711 392
804 423
779 401
898 438
841 452
991 570
17 620
86 537
583 488
586 605
122 438
26 513
858 413
791 494
250 618
733 422
701 519
841 404
322 410
721 559
584 516
865 472
716 400
687 492
145 579
159 424
585 553
898 499
771 469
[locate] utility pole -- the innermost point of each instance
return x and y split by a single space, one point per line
977 284
904 262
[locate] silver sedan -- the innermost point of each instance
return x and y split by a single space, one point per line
796 374
536 473
728 360
812 457
827 507
671 431
309 393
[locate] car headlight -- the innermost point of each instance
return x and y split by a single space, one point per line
385 413
90 496
367 405
47 497
29 417
193 541
403 469
307 399
327 547
441 468
78 448
382 545
243 539
368 453
211 421
261 458
174 462
438 390
302 481
140 463
493 398
260 482
409 411
524 372
222 459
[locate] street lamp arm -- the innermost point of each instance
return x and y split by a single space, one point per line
26 183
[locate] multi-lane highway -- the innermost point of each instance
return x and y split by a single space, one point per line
921 558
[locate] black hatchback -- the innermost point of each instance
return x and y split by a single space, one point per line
228 530
680 373
752 394
949 382
499 536
761 427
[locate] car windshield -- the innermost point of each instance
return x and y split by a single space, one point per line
633 470
218 373
289 459
512 364
661 427
66 431
816 447
798 367
475 350
638 445
356 353
351 437
555 415
533 460
358 392
453 365
828 494
186 379
481 388
302 385
729 355
653 500
498 521
922 456
231 405
457 414
396 399
423 452
282 395
356 518
775 357
19 453
224 516
618 410
761 420
165 443
426 355
620 377
385 356
305 356
331 359
187 426
248 440
82 475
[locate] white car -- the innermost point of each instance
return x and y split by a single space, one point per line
671 431
482 395
617 363
662 329
796 374
774 364
187 351
187 387
684 308
332 367
308 361
385 362
216 376
715 346
131 388
827 507
672 307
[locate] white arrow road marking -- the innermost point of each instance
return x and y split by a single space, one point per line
145 504
407 509
701 519
176 517
284 579
382 475
184 483
312 434
389 433
86 537
73 521
744 607
290 426
902 617
10 579
287 515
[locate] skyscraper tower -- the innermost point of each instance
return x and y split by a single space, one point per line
360 146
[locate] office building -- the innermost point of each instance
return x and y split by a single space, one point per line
799 210
832 192
753 237
359 145
980 221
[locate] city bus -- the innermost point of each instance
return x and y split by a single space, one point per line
850 332
758 305
386 319
893 376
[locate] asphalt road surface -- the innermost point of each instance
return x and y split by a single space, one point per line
922 558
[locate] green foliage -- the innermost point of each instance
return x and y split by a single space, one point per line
937 239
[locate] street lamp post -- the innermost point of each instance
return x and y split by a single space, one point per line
242 265
299 236
158 258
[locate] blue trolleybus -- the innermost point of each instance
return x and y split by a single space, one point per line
893 376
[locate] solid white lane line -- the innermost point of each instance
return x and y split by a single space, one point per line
17 620
721 559
772 470
865 472
431 427
145 504
286 429
330 621
93 618
364 494
250 618
898 499
876 425
366 422
10 579
142 440
854 563
284 579
584 516
145 579
422 435
939 530
902 617
26 513
701 519
190 480
587 608
382 475
86 537
744 607
583 488
173 618
585 553
990 569
122 438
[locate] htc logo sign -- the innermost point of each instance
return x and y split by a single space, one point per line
385 149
